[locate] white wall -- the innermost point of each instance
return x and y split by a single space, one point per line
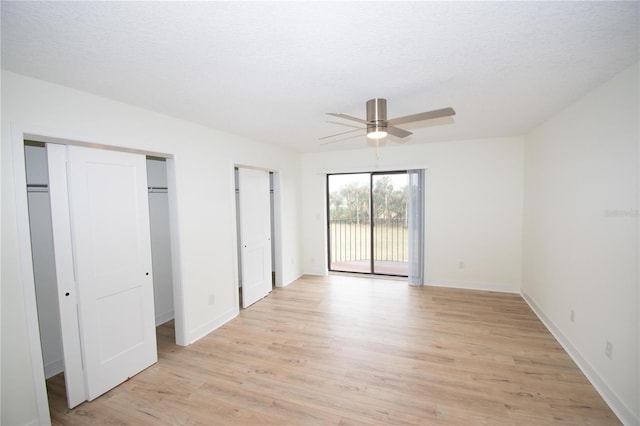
473 207
581 235
203 163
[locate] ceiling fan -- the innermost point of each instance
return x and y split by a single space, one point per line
377 125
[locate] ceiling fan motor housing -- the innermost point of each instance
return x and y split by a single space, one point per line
376 110
376 115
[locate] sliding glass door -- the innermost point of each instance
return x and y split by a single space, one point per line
367 223
349 222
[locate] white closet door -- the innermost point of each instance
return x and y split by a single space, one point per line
109 214
65 275
255 234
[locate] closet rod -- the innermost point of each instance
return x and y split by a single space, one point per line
37 187
158 189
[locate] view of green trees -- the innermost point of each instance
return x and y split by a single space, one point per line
350 203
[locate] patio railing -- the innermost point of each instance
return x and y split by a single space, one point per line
351 241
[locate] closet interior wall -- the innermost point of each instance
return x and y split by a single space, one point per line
160 239
44 269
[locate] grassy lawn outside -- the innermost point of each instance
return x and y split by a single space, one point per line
353 242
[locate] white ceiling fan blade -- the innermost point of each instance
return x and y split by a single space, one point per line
344 123
340 140
437 113
347 117
342 133
397 132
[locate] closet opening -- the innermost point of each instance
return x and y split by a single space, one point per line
50 322
257 201
160 239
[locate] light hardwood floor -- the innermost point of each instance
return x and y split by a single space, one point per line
340 350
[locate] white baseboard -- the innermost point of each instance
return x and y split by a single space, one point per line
162 318
315 274
619 408
471 285
286 283
207 328
319 271
53 368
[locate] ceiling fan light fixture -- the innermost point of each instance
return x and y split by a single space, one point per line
376 131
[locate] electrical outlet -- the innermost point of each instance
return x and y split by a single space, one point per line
573 316
212 299
608 349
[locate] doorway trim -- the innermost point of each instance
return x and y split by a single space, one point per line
20 133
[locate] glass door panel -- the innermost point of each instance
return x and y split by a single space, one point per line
390 236
349 225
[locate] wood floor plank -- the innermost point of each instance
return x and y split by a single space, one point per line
354 351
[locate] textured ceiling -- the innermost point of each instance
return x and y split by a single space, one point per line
270 70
